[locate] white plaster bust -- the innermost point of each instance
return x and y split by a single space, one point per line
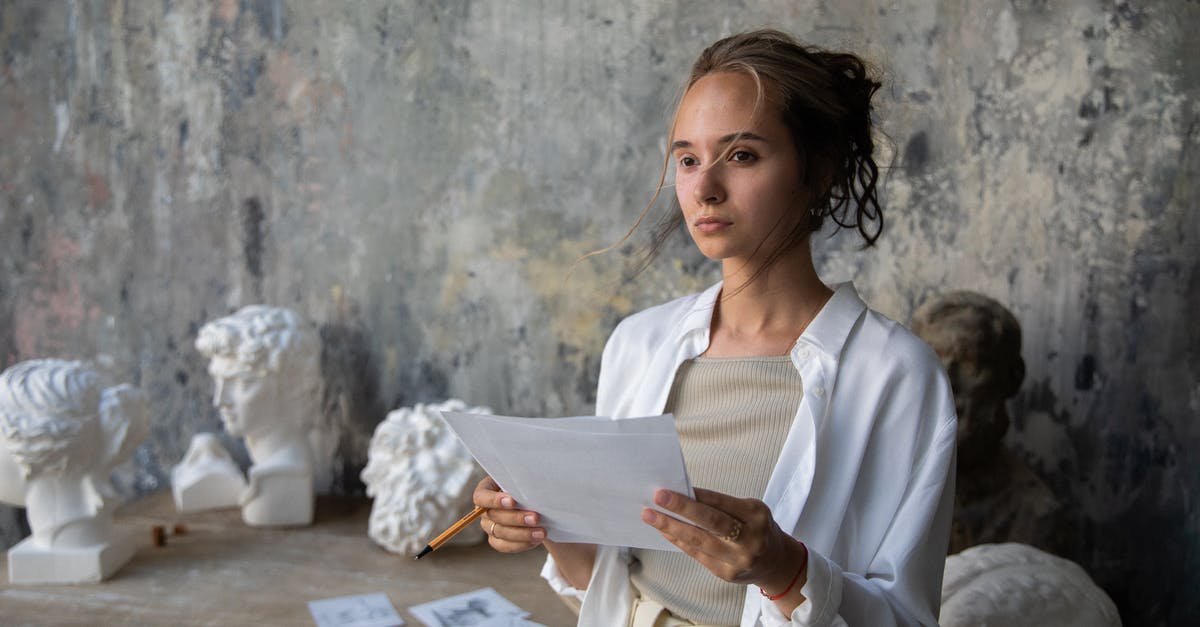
1014 585
266 370
421 477
61 434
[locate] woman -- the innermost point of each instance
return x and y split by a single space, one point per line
823 432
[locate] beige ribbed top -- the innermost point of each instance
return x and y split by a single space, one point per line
732 415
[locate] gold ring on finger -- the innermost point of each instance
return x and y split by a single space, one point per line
732 536
492 531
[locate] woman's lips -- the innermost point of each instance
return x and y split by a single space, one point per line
711 224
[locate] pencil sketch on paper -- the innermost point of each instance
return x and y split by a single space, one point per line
468 614
473 609
364 610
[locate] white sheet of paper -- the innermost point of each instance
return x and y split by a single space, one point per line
588 477
483 607
364 610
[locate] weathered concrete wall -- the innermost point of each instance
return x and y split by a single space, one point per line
417 177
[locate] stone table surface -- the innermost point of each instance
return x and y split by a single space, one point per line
218 571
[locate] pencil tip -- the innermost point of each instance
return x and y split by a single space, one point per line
425 551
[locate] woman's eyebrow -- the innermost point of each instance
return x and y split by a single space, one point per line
738 136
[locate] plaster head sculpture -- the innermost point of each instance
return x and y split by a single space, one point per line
421 477
265 364
61 433
998 498
979 342
1013 585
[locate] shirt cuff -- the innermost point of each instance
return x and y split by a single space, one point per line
558 583
822 592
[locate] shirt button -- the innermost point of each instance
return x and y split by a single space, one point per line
819 391
803 352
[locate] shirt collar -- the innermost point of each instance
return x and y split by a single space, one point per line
827 332
699 315
829 329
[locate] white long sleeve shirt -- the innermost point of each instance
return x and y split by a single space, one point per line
865 478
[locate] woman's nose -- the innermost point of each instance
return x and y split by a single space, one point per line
709 190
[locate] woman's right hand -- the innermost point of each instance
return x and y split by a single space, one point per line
509 529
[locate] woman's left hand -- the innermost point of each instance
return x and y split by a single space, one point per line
735 539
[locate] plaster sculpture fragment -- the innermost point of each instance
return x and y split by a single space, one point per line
421 477
207 478
265 364
61 434
1014 585
998 498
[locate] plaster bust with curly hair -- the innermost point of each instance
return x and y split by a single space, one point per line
61 433
421 477
265 364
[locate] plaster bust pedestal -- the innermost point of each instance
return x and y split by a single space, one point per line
73 541
265 366
61 433
283 497
29 563
281 481
207 478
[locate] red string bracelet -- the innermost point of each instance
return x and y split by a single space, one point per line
803 567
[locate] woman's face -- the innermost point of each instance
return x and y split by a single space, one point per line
737 172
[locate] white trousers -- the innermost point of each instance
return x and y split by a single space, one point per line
648 613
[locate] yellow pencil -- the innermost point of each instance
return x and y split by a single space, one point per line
451 532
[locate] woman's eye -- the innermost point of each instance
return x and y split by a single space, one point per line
688 162
742 156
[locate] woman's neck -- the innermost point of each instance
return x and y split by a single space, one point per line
764 314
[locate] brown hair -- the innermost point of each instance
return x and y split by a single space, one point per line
824 99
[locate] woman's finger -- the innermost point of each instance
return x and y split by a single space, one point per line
718 500
508 528
511 538
488 495
709 552
693 540
510 518
717 522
